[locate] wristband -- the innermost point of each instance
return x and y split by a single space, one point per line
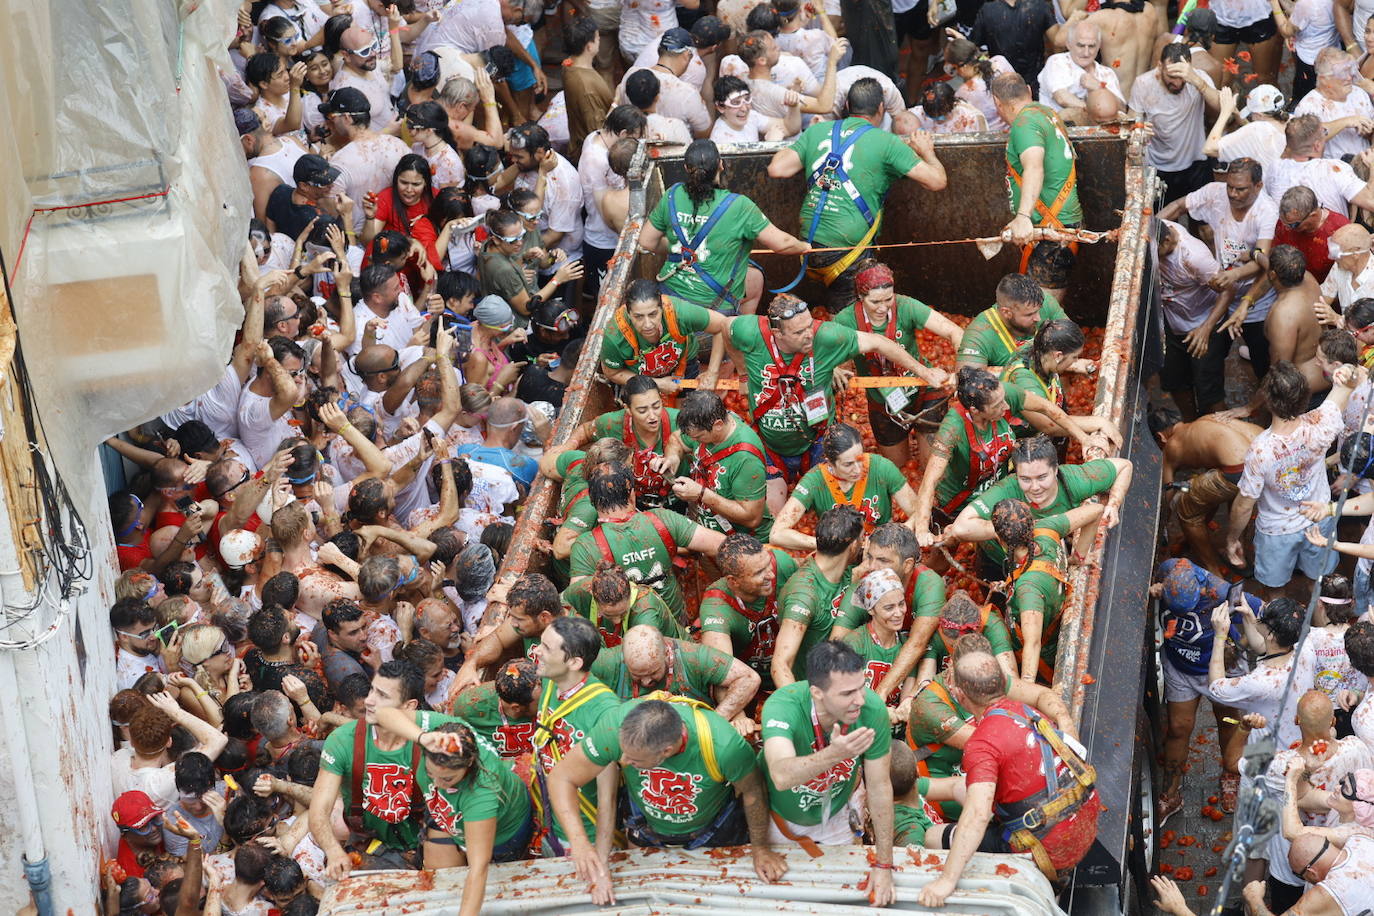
346 425
393 31
195 842
1332 510
201 693
886 866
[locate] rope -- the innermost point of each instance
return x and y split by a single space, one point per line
1082 236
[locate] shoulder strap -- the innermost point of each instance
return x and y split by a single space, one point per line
631 338
599 537
708 745
670 320
664 535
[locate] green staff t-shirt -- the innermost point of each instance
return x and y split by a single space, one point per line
723 253
912 315
637 548
884 481
656 360
1035 126
1077 482
873 163
692 671
387 784
812 600
985 343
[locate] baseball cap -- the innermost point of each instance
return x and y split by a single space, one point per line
134 809
240 547
314 169
246 121
1263 99
674 41
709 30
346 101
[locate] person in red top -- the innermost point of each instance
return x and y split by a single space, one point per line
1306 226
1005 769
411 191
140 831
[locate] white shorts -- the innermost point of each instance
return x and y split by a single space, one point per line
1181 687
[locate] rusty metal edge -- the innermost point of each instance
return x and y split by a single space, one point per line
540 506
1117 368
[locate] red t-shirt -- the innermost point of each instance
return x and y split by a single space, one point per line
1004 752
422 230
131 556
1313 247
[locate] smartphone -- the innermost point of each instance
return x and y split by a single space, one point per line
185 504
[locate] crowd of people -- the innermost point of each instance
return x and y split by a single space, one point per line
754 624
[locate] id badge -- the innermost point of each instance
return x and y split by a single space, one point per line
816 407
897 400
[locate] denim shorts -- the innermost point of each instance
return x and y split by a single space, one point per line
1277 556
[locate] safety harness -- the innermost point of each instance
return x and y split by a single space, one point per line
686 256
647 480
1026 823
984 459
925 406
855 499
666 536
788 380
828 176
359 771
611 638
763 625
705 459
1049 216
548 717
925 751
671 331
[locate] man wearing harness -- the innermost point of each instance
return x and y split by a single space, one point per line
652 335
789 362
572 467
614 604
996 333
531 604
644 544
1042 174
707 233
818 736
729 480
739 611
374 772
690 781
1029 788
647 662
1037 578
570 705
849 166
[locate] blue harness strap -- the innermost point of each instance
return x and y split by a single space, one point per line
828 175
1029 820
687 256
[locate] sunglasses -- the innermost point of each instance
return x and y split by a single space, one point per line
168 630
138 517
792 311
147 829
1295 223
509 240
394 367
367 52
538 214
1326 844
243 480
146 634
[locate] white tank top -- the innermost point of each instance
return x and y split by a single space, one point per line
282 162
1348 883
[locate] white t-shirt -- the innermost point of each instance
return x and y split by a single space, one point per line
158 782
1177 120
130 667
1334 182
1348 882
1183 277
376 85
306 15
694 74
1060 72
594 173
281 163
1362 12
562 204
1233 240
1332 672
752 132
963 118
1261 141
845 79
1315 21
1346 287
643 22
1284 471
470 26
811 45
260 433
367 165
1239 13
667 130
1347 756
554 120
395 330
217 408
445 165
1355 104
1260 691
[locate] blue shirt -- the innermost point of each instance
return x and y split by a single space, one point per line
522 468
1188 629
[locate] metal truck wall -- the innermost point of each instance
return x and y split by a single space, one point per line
123 211
951 277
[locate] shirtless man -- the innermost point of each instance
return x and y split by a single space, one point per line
1215 445
1128 35
1291 326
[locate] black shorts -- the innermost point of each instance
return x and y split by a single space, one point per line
1252 34
914 22
992 838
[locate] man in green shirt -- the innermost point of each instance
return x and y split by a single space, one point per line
644 544
690 781
849 166
817 736
739 611
811 599
652 335
503 712
379 800
1048 488
614 604
1042 177
729 482
996 333
647 662
532 603
789 365
578 515
570 706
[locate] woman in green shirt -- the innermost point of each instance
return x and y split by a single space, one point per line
646 426
707 233
846 476
1056 347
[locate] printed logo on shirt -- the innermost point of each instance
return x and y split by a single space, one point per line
514 739
671 794
662 359
386 791
818 787
874 672
441 811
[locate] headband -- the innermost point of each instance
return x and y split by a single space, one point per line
875 585
871 278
